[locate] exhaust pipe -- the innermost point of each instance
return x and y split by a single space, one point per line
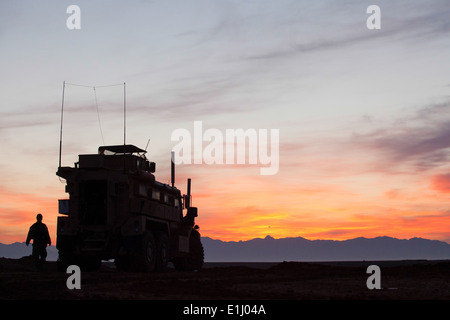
191 211
188 196
172 168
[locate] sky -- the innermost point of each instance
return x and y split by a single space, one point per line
363 115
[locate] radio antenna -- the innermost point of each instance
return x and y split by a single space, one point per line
95 94
124 114
61 129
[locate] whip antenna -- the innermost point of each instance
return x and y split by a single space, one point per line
98 113
124 114
61 129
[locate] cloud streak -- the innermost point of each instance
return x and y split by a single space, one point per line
421 141
418 23
441 182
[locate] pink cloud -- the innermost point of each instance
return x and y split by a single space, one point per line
441 182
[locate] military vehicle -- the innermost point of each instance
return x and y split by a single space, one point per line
117 210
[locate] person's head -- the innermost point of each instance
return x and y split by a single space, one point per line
39 217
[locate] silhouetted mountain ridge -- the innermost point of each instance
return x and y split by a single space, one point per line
18 250
301 249
269 249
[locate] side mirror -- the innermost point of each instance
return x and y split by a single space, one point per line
192 212
152 167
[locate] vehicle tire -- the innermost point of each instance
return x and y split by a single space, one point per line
65 259
194 260
90 263
86 263
144 256
162 251
197 254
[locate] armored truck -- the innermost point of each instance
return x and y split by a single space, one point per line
117 210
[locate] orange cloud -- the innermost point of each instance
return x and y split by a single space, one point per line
441 182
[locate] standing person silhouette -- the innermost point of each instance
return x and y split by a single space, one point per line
39 233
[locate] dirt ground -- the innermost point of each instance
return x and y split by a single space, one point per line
283 281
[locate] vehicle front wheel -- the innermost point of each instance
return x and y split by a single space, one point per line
194 260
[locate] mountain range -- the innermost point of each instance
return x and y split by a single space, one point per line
269 249
301 249
18 250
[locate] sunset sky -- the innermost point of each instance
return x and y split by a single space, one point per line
363 115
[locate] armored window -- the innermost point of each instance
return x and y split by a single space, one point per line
155 194
142 191
168 198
